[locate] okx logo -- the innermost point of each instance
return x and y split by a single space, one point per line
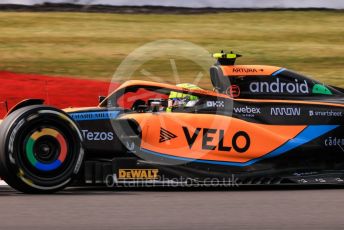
166 135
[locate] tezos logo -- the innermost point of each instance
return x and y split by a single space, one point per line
97 136
216 104
285 111
280 87
240 141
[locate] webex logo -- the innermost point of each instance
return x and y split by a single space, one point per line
247 110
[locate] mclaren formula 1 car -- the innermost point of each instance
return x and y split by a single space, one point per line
260 125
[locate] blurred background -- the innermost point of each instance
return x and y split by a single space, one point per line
88 39
66 51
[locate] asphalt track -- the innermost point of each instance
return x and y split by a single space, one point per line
247 208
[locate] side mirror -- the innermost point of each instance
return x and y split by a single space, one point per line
101 99
155 106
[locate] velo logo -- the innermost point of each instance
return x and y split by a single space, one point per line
166 135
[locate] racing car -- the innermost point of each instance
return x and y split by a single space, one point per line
259 125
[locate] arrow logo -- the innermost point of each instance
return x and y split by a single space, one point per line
166 135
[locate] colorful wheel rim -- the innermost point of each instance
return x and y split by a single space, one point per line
61 155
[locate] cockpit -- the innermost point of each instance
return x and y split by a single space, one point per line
229 81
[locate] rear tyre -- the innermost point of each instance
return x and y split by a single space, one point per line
40 149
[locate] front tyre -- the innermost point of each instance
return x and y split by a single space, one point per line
40 149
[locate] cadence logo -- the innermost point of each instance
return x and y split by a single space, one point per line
280 87
283 111
334 141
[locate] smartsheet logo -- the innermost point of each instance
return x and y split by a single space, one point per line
329 113
280 87
285 111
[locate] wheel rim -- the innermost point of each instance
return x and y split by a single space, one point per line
46 149
42 151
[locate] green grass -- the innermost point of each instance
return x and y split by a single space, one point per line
92 45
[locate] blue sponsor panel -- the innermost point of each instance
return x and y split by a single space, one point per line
89 116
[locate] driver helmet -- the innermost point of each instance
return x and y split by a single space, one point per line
178 99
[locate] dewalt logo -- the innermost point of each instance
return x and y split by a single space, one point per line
138 174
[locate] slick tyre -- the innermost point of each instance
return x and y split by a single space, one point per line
40 149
